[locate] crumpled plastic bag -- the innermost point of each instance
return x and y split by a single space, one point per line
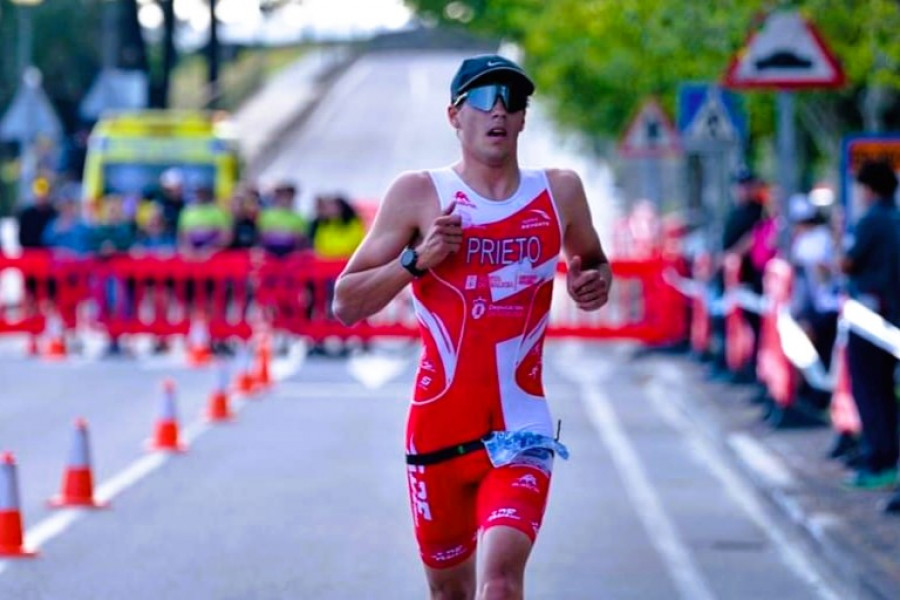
504 446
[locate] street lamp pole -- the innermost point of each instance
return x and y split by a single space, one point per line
110 50
29 78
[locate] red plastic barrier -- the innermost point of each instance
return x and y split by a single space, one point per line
296 293
773 367
231 293
641 307
738 334
164 295
39 285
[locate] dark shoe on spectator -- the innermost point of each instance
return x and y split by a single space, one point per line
114 349
222 348
716 374
892 506
856 459
844 445
742 377
868 479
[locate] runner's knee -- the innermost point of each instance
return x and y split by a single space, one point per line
451 590
501 586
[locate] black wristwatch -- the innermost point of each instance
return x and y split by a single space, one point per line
408 260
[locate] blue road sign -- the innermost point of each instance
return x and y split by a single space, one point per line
709 113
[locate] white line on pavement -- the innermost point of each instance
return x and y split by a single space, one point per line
672 408
59 522
765 464
374 370
649 508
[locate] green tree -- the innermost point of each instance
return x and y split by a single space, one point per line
596 60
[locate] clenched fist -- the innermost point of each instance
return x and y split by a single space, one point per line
443 238
589 288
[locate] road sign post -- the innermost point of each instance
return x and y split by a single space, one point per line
787 53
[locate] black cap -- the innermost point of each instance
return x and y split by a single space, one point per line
488 68
744 175
879 176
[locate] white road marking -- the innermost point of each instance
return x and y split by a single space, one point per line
647 505
672 408
60 521
764 463
374 370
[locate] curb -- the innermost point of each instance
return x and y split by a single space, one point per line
851 573
828 534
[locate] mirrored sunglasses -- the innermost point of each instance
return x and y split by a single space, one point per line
485 97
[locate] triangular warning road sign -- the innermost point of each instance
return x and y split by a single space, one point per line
787 52
650 133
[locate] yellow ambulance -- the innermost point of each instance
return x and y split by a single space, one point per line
129 153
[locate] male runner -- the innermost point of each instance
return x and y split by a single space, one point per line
479 241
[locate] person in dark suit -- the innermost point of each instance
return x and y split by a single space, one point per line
872 265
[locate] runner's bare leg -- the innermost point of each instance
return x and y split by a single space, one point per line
455 583
504 552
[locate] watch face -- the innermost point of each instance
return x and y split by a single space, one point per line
408 259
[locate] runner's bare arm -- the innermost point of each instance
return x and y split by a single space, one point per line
373 276
589 276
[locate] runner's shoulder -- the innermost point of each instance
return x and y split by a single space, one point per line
564 182
411 190
567 190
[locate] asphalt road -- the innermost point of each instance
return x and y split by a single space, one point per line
304 496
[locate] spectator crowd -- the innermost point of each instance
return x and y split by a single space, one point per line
830 263
190 222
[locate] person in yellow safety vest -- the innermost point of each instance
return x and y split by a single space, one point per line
203 226
282 229
337 229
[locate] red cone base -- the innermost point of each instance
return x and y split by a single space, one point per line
77 490
56 349
11 536
218 410
166 438
244 384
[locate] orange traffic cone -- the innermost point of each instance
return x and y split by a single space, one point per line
217 409
261 376
843 411
244 380
199 352
56 332
166 432
34 348
78 482
11 538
